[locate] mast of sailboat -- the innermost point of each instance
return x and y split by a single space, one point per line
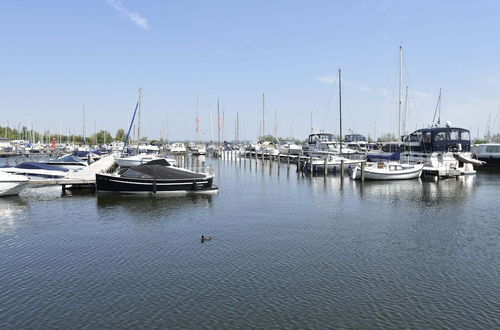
218 122
237 127
340 112
263 115
197 121
312 129
400 90
437 111
139 119
405 111
84 139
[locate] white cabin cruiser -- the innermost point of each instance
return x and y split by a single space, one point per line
178 148
323 144
290 148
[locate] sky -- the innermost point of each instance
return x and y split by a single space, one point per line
57 56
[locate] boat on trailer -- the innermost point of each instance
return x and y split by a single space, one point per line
156 177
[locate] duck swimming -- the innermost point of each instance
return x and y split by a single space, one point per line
205 238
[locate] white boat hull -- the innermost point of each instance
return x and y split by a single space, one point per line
384 174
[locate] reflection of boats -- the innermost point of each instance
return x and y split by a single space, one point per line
37 170
389 171
156 177
11 184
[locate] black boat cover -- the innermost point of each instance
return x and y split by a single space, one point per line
41 166
159 172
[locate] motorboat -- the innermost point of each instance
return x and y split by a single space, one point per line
356 142
323 143
156 177
178 148
198 150
70 162
11 184
37 170
269 149
488 153
388 171
290 148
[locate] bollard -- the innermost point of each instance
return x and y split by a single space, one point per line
362 171
342 169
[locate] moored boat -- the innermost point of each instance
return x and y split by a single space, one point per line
11 184
155 178
389 171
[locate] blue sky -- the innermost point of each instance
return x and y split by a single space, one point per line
58 55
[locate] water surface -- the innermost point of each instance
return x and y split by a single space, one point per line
288 251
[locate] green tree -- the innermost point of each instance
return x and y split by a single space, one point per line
120 135
387 137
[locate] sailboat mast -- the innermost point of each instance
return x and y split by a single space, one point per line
218 122
84 140
312 122
197 120
237 127
400 90
340 111
139 120
263 115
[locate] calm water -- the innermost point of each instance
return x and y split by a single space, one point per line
288 251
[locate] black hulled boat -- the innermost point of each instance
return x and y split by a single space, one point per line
157 176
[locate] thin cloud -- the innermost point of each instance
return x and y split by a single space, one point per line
132 15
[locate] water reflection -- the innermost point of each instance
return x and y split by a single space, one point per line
12 208
145 204
445 192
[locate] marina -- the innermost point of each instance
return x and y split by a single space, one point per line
249 165
293 248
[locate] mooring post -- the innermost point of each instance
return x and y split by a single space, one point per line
362 171
311 168
288 160
342 169
325 170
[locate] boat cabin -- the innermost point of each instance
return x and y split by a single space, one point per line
442 139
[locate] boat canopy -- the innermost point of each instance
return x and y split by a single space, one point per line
441 138
159 172
321 137
40 166
354 138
